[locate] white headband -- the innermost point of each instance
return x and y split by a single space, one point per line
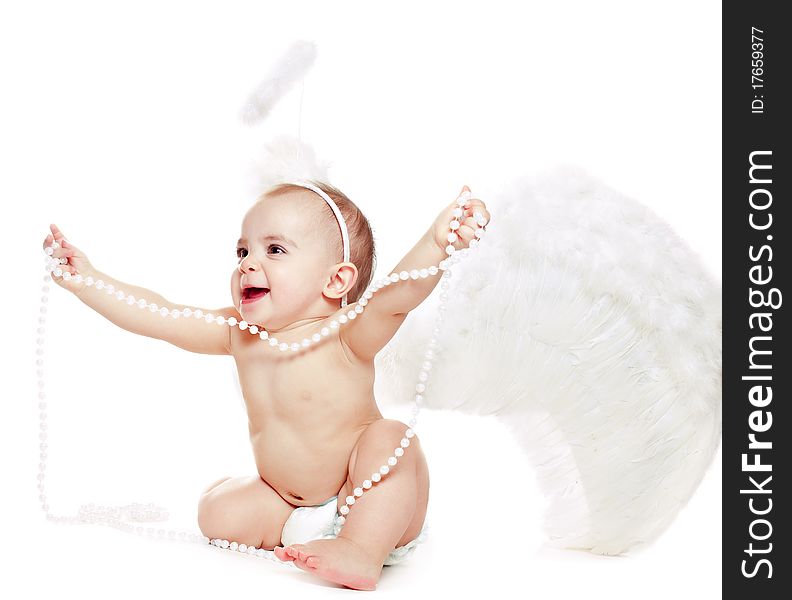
339 217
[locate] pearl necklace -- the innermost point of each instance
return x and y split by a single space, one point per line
121 517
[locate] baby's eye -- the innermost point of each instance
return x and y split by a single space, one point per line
240 250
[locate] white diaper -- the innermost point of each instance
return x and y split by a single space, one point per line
320 522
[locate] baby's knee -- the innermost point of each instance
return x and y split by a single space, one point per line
387 436
394 430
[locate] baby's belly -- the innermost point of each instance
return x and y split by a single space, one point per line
305 468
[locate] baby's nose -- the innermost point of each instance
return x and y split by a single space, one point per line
245 266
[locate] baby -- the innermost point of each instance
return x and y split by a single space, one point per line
316 430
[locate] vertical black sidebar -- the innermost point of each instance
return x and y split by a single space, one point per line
757 433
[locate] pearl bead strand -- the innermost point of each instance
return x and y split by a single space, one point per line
122 517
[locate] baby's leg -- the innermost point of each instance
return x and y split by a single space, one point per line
390 514
245 510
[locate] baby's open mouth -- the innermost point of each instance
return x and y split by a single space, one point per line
252 294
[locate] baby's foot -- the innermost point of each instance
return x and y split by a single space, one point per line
338 560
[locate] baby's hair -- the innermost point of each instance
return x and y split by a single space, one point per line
361 239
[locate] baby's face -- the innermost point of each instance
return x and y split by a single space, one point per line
278 252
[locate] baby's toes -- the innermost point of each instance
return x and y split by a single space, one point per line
303 555
282 554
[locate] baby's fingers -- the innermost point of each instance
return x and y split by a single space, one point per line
62 258
464 235
470 222
48 241
57 233
464 193
479 215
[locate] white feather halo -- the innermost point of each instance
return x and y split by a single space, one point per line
291 67
284 157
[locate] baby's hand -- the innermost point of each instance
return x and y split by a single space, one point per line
76 261
467 222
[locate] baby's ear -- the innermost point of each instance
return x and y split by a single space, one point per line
343 280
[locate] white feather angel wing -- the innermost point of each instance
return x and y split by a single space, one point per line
596 334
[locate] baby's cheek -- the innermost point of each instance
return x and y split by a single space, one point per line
235 293
296 290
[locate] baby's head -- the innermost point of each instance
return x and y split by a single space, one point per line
302 263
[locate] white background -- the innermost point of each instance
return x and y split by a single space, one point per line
120 124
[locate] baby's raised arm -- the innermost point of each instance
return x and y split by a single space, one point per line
387 312
190 334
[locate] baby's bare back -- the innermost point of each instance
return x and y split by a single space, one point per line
306 410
